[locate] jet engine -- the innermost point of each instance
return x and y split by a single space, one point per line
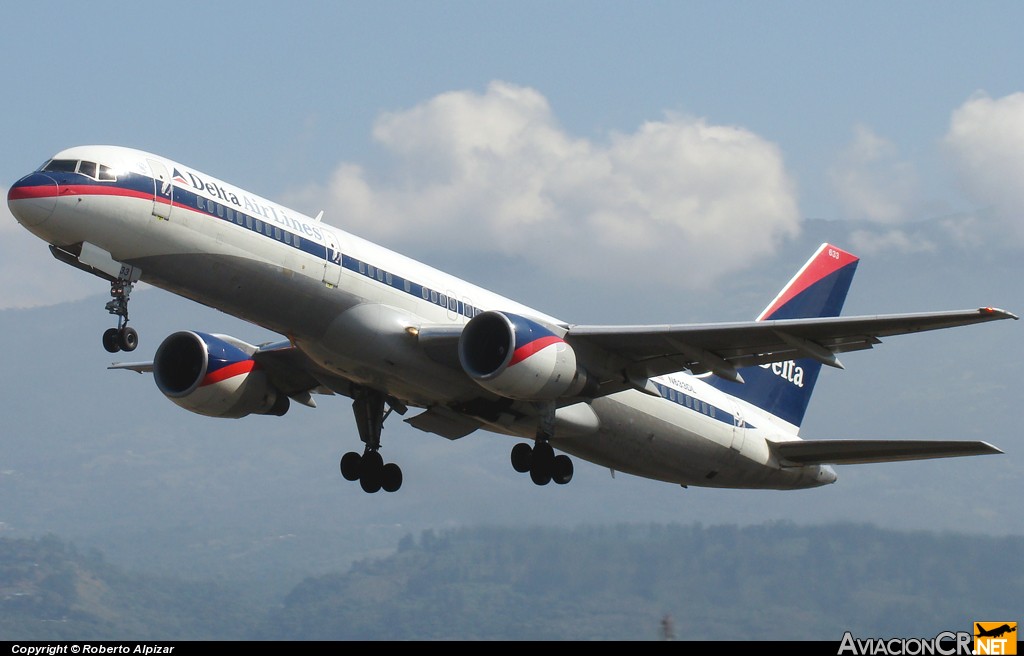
215 375
519 358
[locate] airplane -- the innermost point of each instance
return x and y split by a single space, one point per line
997 632
709 404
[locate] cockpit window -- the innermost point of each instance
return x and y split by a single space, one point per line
87 168
100 172
61 165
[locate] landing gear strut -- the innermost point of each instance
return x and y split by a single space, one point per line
369 468
121 338
540 461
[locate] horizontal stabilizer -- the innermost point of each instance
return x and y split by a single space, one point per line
138 367
852 452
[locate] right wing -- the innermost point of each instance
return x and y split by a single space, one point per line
642 352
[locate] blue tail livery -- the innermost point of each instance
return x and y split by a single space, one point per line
817 290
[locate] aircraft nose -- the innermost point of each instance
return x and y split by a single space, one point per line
33 198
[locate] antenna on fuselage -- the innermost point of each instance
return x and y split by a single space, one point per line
319 216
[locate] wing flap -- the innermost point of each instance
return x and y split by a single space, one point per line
444 422
850 452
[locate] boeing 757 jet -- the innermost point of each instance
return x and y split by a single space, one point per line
716 405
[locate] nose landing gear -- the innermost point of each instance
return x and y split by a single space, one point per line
121 338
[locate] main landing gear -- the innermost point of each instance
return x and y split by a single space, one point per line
541 463
540 460
369 468
121 338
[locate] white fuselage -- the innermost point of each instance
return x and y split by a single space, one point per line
330 292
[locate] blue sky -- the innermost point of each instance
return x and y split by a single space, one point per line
776 112
555 137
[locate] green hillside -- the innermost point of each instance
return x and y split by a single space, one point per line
768 582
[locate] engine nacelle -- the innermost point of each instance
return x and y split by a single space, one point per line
215 375
519 358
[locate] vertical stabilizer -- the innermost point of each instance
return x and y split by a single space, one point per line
817 290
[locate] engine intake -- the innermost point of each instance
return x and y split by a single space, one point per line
215 375
519 358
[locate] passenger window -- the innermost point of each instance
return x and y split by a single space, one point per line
87 168
248 221
277 234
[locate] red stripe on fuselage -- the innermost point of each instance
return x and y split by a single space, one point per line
230 371
46 191
526 350
23 193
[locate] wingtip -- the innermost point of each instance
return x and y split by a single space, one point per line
994 450
1003 314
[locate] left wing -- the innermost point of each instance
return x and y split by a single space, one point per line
637 353
289 370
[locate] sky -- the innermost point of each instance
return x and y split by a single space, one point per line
567 153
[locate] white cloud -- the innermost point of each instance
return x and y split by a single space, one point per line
872 182
986 144
494 172
870 242
32 276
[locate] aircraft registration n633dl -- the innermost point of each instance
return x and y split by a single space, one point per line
717 405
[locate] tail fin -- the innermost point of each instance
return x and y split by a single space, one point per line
817 290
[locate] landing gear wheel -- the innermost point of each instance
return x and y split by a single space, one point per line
127 339
541 464
111 340
522 454
561 469
372 470
391 477
369 468
350 466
